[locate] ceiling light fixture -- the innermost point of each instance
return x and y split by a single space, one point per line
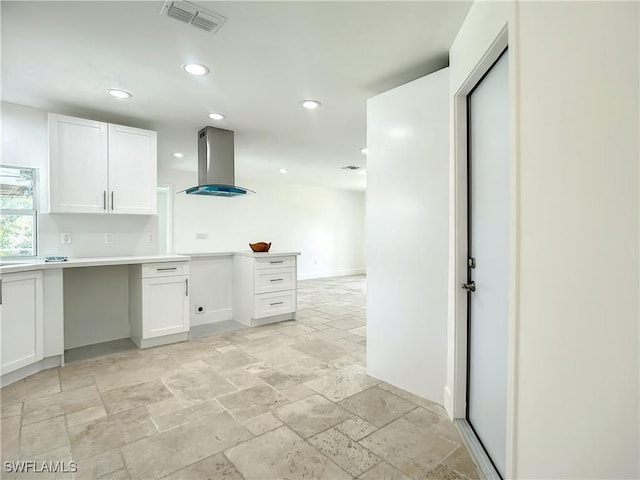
364 150
283 171
177 154
310 104
195 69
114 92
216 116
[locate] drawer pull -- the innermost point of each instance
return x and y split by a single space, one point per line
277 280
277 303
277 261
166 269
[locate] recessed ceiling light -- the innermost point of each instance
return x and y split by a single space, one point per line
310 104
283 171
119 93
195 69
364 150
216 116
177 154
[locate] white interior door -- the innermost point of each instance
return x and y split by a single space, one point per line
489 246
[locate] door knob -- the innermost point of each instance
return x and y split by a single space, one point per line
469 287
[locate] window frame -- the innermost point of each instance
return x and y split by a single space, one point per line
33 212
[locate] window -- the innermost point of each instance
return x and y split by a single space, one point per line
18 205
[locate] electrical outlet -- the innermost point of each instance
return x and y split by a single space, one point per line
150 237
65 238
108 238
199 309
202 236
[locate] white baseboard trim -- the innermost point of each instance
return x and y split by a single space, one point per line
212 316
448 401
334 273
476 450
24 372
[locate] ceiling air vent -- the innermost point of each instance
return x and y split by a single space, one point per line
193 15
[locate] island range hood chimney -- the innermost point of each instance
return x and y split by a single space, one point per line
216 174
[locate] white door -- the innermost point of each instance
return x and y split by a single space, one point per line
165 308
22 320
488 249
77 165
132 170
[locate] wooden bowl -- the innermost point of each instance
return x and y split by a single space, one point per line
260 246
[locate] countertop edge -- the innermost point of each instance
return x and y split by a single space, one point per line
131 260
265 254
93 262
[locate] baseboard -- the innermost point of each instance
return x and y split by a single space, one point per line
476 450
164 340
334 273
213 316
448 401
24 372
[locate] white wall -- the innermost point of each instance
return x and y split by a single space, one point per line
25 143
575 312
407 228
577 403
96 305
210 286
326 225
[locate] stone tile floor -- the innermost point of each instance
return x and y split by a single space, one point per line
290 400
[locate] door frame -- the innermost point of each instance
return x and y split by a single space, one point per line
169 213
457 392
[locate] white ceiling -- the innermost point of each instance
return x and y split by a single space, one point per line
62 56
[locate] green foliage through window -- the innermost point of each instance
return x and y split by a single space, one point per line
17 211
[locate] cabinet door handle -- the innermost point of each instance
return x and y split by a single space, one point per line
277 303
277 261
112 200
277 280
104 200
186 287
165 269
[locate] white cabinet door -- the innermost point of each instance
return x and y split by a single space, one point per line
132 170
77 165
165 306
22 320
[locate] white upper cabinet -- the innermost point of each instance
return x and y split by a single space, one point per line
96 167
132 170
78 168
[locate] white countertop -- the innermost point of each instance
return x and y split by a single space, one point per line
249 253
129 260
91 262
209 254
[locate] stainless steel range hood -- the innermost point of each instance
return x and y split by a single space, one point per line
216 174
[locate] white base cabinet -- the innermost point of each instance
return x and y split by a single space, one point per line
264 288
22 320
159 303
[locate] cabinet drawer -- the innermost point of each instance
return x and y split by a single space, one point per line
268 304
275 262
275 279
167 269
